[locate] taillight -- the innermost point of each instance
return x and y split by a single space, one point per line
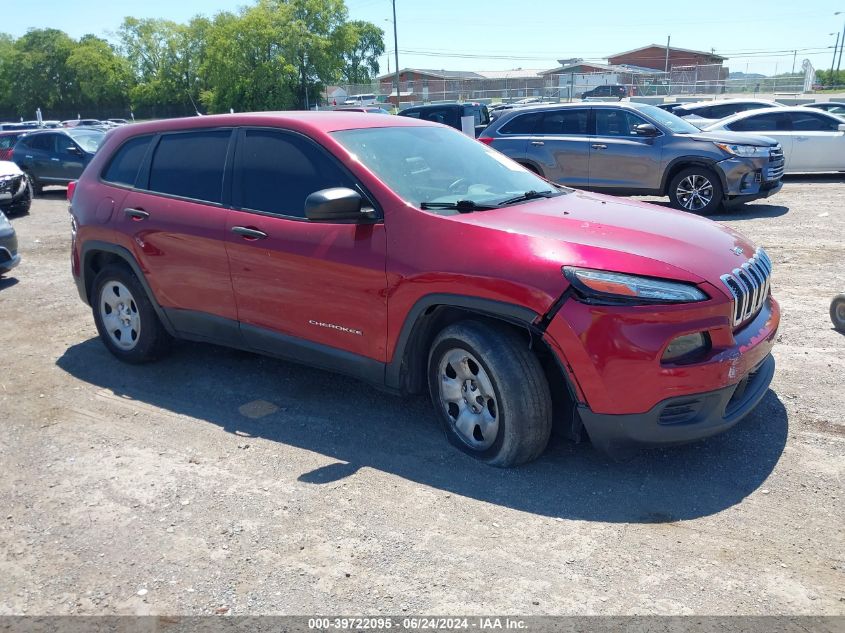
487 140
71 187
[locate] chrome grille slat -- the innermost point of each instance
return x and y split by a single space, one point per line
749 285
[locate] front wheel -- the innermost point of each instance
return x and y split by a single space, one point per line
125 317
490 393
837 312
696 189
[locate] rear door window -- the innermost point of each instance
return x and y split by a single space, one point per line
190 165
124 166
569 122
42 142
812 122
276 171
523 124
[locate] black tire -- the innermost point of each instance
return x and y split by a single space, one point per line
522 404
837 312
151 340
712 188
36 187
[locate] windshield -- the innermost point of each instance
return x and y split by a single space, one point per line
668 120
438 165
89 140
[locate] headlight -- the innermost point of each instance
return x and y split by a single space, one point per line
607 287
746 151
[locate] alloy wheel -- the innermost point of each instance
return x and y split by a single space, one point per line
694 192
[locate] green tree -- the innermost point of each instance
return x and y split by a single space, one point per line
39 73
245 67
102 78
362 45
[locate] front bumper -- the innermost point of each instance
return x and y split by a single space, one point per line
14 194
746 179
9 257
682 419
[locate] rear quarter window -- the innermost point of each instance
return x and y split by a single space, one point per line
124 165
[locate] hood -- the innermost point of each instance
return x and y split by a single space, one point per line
723 136
8 168
607 233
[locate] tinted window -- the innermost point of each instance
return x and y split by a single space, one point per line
446 116
611 122
565 122
190 165
812 122
770 122
42 142
523 124
277 171
123 168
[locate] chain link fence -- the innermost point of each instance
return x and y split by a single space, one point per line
680 81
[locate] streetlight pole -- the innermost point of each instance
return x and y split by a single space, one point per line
835 46
839 60
396 51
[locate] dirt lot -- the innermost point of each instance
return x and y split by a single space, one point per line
221 481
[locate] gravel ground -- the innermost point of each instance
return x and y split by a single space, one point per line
217 481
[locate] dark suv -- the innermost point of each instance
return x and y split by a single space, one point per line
637 149
56 157
451 114
415 258
610 90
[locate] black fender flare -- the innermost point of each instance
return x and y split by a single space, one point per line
92 247
509 312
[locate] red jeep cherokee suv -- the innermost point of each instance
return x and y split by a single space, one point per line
405 254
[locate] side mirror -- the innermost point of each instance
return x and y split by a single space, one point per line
337 204
646 129
73 149
841 127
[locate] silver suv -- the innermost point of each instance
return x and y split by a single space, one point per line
638 149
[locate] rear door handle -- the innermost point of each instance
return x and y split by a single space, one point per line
599 146
55 159
28 156
248 233
136 214
537 143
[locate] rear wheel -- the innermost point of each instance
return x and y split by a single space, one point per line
837 312
696 189
490 393
125 317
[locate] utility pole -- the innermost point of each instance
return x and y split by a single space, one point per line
666 65
396 51
839 61
794 55
833 61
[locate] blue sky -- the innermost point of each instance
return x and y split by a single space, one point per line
756 36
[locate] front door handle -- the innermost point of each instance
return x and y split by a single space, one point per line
248 233
55 159
136 214
537 143
599 146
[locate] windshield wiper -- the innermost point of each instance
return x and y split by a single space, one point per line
529 195
461 206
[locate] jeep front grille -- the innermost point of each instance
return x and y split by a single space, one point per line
749 285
